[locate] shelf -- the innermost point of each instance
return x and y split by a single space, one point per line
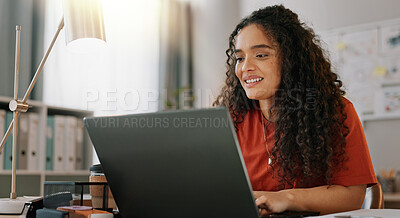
20 172
32 181
380 117
67 173
395 196
68 111
48 173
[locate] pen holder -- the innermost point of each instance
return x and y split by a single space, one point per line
387 184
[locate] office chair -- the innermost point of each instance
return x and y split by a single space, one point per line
373 198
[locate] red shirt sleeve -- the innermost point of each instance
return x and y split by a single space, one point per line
358 169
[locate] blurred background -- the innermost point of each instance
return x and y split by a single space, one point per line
170 54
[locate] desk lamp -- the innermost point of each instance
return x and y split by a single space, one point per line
84 22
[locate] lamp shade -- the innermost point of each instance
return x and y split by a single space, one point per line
83 20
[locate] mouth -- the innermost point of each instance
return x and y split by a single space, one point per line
255 80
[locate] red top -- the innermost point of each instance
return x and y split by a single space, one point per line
358 169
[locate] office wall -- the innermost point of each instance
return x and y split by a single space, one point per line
324 15
119 78
213 21
328 14
382 137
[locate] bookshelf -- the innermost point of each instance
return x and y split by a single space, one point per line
30 182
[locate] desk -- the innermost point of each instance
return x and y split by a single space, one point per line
381 213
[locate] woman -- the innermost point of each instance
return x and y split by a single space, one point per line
302 142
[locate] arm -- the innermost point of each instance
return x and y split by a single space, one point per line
323 199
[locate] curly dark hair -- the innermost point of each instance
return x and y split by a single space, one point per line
309 128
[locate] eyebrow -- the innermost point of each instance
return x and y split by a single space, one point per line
255 47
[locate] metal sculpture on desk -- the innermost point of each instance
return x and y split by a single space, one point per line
84 19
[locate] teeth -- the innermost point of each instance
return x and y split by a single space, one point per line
253 80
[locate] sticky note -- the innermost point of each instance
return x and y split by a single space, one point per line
380 71
341 46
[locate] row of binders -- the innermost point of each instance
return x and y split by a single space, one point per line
64 142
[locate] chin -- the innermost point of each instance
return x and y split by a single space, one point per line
257 95
253 96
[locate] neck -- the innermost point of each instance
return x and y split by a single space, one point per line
265 105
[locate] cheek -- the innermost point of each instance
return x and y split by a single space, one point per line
277 81
278 75
275 75
238 72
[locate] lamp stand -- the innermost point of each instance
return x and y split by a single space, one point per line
18 107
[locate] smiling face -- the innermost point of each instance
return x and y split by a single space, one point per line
257 63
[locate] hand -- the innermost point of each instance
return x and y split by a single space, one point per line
271 202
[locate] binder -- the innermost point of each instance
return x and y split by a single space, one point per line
79 145
33 148
2 131
70 143
23 138
50 143
8 145
59 140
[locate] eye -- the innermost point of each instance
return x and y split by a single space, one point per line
262 55
238 59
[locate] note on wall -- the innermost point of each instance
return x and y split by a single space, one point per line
359 45
392 65
390 40
357 77
367 60
392 100
388 101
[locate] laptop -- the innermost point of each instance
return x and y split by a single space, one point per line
174 164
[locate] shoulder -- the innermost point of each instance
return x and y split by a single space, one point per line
348 105
350 111
346 101
358 167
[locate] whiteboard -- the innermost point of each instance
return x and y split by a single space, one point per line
367 59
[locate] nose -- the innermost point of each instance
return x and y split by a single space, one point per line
248 65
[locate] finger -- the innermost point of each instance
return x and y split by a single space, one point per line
261 201
262 205
264 212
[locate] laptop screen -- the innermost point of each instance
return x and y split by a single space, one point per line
174 164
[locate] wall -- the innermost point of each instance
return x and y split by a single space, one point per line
384 154
328 14
121 77
323 15
213 21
